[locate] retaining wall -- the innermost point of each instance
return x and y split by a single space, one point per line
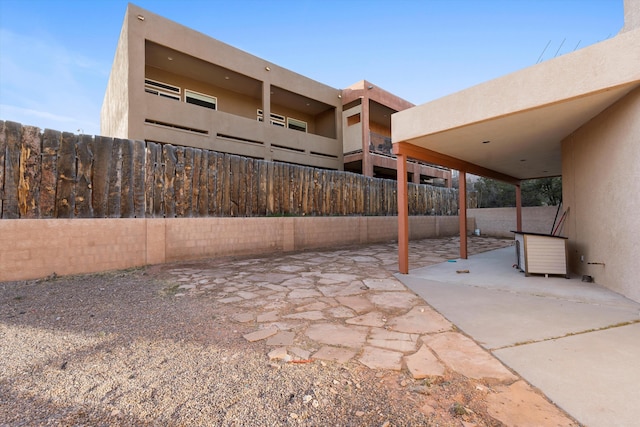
36 248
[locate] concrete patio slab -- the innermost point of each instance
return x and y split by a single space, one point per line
594 376
575 341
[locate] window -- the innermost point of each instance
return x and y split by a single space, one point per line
200 99
276 119
352 120
164 90
296 124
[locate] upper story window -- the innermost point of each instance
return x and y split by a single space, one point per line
164 90
296 124
200 99
276 119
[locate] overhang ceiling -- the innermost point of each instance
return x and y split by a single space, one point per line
524 144
514 125
194 68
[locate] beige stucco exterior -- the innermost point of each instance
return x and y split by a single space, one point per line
154 48
601 187
577 116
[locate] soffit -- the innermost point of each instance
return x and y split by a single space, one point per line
194 68
525 144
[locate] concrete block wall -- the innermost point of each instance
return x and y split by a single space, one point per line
31 249
499 222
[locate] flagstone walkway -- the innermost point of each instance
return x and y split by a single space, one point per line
346 306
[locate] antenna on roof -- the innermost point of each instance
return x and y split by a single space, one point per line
543 51
559 47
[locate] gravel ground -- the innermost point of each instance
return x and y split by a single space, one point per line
121 348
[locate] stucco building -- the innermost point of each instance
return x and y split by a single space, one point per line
171 84
575 116
366 124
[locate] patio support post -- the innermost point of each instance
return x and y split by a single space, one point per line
403 216
367 161
462 213
518 208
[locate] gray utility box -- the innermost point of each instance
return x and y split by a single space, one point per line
541 253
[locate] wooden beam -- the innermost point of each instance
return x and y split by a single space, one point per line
518 208
462 213
403 216
429 156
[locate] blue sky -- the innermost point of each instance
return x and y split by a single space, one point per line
55 55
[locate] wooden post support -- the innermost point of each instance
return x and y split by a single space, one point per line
518 208
403 216
462 205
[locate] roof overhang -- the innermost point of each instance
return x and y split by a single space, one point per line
513 126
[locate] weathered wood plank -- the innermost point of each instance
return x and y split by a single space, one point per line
30 169
195 183
212 178
203 187
65 195
3 150
179 183
114 195
156 190
139 178
262 188
226 208
102 151
169 160
83 190
221 178
271 198
286 189
11 208
188 182
126 198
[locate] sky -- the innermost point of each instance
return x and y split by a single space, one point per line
56 55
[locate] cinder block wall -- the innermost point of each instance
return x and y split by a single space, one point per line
499 222
31 249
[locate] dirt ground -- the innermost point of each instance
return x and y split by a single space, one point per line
127 348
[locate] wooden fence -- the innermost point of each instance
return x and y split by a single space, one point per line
64 175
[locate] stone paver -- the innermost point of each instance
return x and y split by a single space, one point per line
260 334
424 364
378 358
345 306
372 318
519 405
420 320
330 333
335 354
283 338
465 356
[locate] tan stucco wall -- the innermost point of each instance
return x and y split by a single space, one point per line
352 135
601 178
115 106
237 113
499 222
32 249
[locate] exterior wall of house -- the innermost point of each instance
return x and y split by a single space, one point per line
79 246
115 106
600 174
152 47
352 131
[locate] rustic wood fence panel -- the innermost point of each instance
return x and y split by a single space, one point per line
62 175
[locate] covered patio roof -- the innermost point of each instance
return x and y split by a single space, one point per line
514 125
511 128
